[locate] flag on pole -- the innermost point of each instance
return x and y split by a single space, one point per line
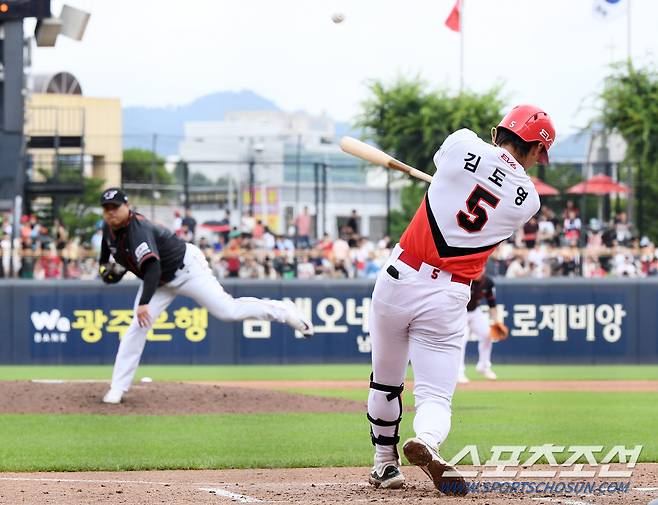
609 9
452 21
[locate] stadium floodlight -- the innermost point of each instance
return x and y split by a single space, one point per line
71 23
74 22
46 31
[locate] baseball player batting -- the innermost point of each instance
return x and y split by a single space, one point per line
478 324
478 197
168 266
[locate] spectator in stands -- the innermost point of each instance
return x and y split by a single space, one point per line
204 245
284 244
340 250
572 227
7 223
43 238
353 222
247 224
226 222
178 223
516 268
49 265
530 233
569 261
546 227
26 227
259 231
594 234
251 269
592 268
27 259
36 228
303 229
232 260
622 229
570 207
97 241
305 268
190 222
384 243
325 245
269 240
186 234
537 262
372 266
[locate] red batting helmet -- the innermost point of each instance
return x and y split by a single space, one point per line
531 124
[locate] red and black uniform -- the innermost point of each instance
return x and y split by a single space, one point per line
482 288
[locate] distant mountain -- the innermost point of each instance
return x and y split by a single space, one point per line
139 123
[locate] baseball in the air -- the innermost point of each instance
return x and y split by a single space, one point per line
338 17
146 379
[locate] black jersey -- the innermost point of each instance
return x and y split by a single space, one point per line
140 240
482 288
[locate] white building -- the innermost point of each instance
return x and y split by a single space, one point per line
289 154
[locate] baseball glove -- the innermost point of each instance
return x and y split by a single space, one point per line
498 332
111 273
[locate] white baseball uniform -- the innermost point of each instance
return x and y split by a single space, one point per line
478 197
478 325
194 280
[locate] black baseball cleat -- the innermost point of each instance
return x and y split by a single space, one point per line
445 478
386 476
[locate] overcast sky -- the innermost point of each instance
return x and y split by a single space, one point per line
554 53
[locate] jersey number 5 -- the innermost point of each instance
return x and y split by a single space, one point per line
477 217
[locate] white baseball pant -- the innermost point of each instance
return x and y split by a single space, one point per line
419 317
195 280
478 326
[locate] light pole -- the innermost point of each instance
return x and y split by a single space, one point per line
254 150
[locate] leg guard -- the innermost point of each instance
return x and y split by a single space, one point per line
385 414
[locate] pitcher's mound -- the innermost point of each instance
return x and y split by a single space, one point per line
21 397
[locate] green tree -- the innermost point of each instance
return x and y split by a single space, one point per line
629 106
137 166
410 121
194 178
79 214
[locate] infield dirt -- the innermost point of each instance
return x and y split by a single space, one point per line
304 486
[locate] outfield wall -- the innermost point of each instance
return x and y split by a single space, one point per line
552 321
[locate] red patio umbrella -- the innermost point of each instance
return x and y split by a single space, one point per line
598 185
544 189
216 226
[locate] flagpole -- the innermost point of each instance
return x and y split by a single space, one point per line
628 32
461 47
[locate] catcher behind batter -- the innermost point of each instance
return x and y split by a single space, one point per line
478 324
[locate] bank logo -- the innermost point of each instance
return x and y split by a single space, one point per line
50 326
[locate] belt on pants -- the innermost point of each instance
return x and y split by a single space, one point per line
415 263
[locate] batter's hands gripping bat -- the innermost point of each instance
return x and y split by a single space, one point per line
366 152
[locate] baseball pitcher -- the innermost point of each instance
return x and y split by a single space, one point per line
478 197
168 266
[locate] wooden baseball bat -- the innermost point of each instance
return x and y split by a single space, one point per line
366 152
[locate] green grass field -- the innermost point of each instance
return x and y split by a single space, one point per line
322 372
96 442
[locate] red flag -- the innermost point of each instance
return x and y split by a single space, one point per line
452 21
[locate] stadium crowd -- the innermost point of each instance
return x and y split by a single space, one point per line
549 245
